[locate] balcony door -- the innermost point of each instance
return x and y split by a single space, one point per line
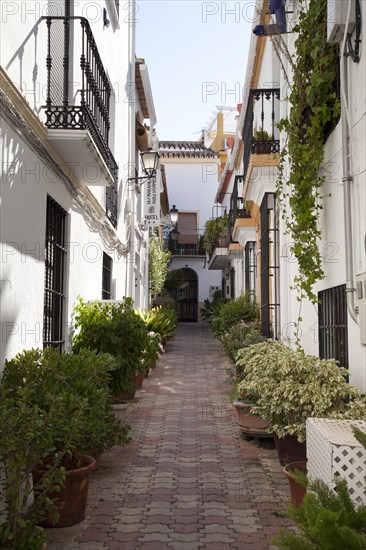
187 296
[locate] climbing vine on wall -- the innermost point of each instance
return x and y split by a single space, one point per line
314 110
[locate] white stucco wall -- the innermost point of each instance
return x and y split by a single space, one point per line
26 181
333 245
192 185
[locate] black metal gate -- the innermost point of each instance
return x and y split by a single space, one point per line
333 332
187 296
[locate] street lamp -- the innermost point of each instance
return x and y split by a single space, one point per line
173 212
174 234
150 162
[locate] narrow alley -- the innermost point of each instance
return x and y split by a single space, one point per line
188 479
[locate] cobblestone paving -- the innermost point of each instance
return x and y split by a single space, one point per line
189 479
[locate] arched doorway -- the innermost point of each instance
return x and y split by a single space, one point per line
187 295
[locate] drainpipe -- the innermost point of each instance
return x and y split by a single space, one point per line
131 151
347 179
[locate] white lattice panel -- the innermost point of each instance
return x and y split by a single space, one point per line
333 451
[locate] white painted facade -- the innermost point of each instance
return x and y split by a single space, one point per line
192 188
37 163
333 245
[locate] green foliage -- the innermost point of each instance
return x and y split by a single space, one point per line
360 436
262 135
115 329
51 405
166 301
153 350
210 310
314 107
25 436
293 386
328 520
158 267
160 320
239 336
215 229
243 308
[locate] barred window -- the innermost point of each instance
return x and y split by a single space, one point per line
55 260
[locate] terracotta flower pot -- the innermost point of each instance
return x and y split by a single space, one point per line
289 449
138 380
73 495
297 491
251 424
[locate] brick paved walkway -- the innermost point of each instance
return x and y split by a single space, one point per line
188 480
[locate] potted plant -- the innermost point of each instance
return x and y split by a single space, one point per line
243 308
114 329
25 437
296 475
262 142
76 386
216 233
153 350
291 387
160 320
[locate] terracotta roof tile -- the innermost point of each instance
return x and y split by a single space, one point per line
185 149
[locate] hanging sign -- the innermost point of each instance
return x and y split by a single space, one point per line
152 204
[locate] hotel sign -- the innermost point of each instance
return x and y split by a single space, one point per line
152 203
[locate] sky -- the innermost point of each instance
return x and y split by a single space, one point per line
196 53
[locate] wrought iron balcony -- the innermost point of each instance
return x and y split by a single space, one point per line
260 132
195 248
78 93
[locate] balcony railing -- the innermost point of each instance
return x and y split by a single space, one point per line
187 249
80 102
260 132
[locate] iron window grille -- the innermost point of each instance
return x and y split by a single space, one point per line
55 261
269 270
107 277
333 329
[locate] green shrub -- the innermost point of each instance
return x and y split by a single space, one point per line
159 320
328 520
239 336
230 313
153 349
293 386
55 406
115 329
215 229
210 310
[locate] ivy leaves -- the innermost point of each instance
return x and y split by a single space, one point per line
314 106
